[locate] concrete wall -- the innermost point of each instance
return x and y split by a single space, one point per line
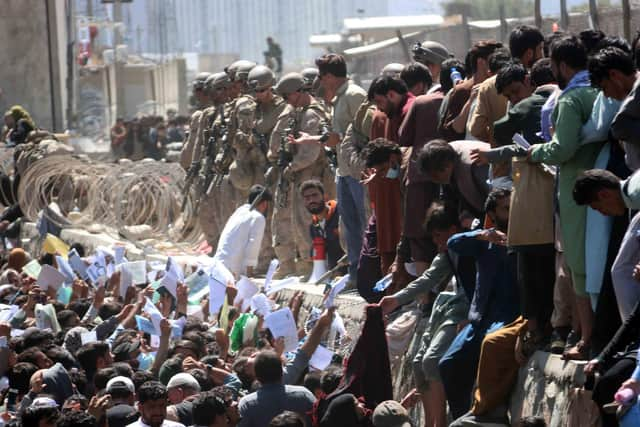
28 76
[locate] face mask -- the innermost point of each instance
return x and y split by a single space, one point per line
145 361
393 173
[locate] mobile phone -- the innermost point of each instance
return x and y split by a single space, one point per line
12 397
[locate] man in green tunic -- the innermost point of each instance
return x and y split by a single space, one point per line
572 110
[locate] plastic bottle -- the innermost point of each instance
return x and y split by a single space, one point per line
455 76
624 395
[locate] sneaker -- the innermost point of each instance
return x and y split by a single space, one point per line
559 339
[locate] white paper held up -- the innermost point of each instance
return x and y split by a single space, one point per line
335 290
321 359
260 304
278 285
246 290
273 266
282 324
50 277
217 294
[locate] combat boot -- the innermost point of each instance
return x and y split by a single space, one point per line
285 269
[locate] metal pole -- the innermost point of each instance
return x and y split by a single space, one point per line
538 13
564 15
51 78
118 67
593 14
626 19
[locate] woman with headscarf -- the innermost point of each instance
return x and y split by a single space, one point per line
23 124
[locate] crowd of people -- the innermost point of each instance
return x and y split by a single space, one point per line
146 136
495 192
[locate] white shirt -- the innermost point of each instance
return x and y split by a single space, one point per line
240 240
165 423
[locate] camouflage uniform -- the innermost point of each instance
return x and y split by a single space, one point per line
309 162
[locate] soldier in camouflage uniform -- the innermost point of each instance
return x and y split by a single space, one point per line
202 99
302 114
211 222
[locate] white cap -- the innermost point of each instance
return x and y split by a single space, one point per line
120 383
184 380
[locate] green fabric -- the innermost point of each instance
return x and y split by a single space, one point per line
572 110
236 337
524 118
439 273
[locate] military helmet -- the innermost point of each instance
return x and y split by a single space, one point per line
290 83
240 69
261 77
309 75
200 81
430 52
392 70
218 81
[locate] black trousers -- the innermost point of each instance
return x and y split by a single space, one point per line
609 383
536 277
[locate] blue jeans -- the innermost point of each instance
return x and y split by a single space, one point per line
352 214
631 418
459 365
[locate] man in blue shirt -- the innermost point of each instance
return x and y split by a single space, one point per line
495 300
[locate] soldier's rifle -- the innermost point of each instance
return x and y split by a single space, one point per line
284 159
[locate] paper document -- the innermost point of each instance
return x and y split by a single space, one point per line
126 280
246 290
170 283
260 305
118 252
78 264
278 285
88 337
273 266
321 359
32 269
138 270
49 277
217 294
335 290
521 141
65 268
282 324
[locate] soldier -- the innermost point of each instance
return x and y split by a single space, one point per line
302 114
211 222
202 101
309 75
432 54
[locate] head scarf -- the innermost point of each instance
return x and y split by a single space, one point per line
17 259
18 112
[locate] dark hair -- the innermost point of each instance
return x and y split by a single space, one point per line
415 73
240 368
610 58
379 151
532 421
79 379
103 376
203 378
441 216
20 375
494 196
65 317
571 51
330 379
481 50
122 369
587 185
541 72
635 49
29 355
509 74
549 39
259 191
109 309
590 39
32 415
76 398
141 377
268 367
614 41
58 354
151 390
76 419
88 356
312 381
312 183
523 38
436 155
287 419
206 407
80 307
333 64
382 85
499 59
446 68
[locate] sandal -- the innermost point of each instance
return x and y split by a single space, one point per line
579 352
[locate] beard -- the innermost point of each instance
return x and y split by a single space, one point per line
316 209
